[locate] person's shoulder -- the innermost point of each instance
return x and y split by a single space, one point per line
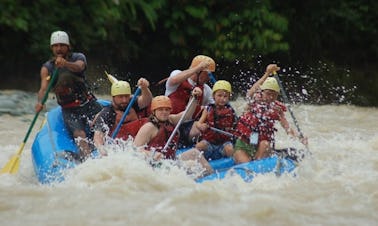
148 126
78 56
207 87
174 73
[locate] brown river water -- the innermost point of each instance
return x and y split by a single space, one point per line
336 185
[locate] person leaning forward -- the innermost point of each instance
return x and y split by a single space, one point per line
179 86
110 116
153 136
79 105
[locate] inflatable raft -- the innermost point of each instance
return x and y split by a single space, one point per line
54 151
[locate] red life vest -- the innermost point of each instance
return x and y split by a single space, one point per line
260 118
129 128
223 119
181 96
158 142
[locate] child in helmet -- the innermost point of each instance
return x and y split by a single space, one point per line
255 128
152 136
217 117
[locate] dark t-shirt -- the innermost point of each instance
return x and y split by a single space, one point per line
107 116
73 57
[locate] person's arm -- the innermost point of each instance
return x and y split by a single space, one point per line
146 96
201 124
144 134
184 75
290 131
175 118
76 66
44 74
269 70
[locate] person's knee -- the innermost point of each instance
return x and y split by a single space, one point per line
229 150
202 145
241 156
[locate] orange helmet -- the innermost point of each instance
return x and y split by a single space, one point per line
198 59
160 102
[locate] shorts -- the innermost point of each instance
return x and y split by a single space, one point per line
214 152
248 148
79 118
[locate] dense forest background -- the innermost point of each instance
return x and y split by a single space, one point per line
328 50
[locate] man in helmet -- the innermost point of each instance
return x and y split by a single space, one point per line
180 84
255 129
79 105
153 136
110 116
216 117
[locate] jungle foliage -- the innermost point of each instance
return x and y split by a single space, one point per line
154 36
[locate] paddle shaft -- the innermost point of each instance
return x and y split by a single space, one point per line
44 99
135 96
286 100
178 125
221 131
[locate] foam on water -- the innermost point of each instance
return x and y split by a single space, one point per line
336 185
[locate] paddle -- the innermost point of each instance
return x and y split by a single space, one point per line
131 103
286 100
178 125
221 131
13 164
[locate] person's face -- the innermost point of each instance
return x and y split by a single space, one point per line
203 77
221 97
120 102
60 49
269 95
162 114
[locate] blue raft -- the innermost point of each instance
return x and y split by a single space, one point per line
54 151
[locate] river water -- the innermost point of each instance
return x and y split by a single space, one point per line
336 185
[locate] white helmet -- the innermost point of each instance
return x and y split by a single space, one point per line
59 37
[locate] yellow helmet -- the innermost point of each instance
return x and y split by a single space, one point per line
120 88
270 83
222 84
160 102
198 59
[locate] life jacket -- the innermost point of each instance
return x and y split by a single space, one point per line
129 128
71 90
260 118
158 142
181 96
144 112
224 119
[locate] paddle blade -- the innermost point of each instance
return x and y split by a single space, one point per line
14 163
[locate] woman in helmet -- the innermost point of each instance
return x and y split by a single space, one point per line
255 128
153 135
109 117
219 115
79 105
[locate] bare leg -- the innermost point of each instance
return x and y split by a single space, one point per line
229 150
263 150
241 156
194 154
